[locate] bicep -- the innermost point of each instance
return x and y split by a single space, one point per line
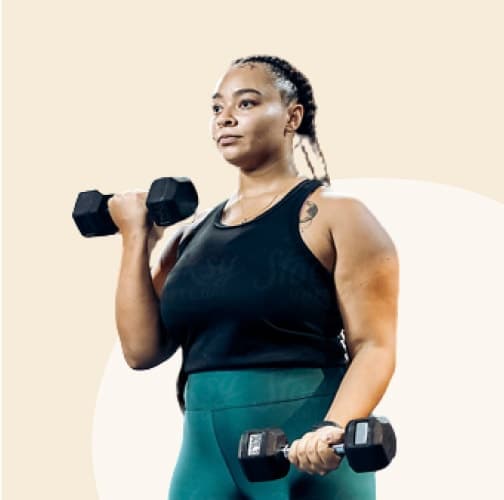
366 278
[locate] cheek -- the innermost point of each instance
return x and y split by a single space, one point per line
212 128
269 125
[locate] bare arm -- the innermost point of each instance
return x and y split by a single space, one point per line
145 343
366 277
144 340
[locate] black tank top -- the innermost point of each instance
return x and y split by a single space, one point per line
253 294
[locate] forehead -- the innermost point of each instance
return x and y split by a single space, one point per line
250 75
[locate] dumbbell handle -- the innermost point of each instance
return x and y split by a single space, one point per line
361 436
339 449
106 197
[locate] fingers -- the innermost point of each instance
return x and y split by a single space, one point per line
328 457
128 211
305 453
313 454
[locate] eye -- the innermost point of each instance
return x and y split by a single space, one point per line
215 108
247 101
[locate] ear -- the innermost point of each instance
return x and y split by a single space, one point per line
295 114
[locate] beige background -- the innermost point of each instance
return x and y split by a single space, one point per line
110 95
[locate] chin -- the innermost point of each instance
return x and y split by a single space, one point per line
238 163
246 159
240 160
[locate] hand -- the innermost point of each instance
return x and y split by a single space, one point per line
129 212
311 453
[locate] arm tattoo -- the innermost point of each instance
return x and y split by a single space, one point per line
308 214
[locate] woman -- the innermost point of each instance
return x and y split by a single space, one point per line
283 298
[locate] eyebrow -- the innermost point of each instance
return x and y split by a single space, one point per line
238 92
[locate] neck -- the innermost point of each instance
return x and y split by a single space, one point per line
270 178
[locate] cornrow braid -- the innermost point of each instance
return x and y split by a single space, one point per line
292 84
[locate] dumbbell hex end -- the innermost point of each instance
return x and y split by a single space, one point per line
171 199
91 214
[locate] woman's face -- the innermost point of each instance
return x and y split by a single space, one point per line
248 105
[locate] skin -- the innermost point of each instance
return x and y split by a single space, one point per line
339 230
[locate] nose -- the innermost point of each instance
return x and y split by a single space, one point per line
225 119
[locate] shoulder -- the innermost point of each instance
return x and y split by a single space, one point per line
351 224
334 206
200 215
330 199
197 219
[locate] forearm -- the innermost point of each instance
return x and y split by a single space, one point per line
137 306
363 385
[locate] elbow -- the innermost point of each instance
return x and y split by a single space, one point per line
392 366
139 365
382 356
136 365
388 361
386 358
150 361
136 360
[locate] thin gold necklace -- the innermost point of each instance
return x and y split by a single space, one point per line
245 219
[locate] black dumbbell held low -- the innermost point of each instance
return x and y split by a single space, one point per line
170 200
369 445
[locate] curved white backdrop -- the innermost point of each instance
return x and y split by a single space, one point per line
445 399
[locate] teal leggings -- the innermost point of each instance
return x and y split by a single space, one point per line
222 404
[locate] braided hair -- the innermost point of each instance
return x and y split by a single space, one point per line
293 85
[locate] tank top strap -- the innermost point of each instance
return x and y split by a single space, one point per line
291 205
302 190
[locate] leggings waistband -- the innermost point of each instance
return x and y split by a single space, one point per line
219 389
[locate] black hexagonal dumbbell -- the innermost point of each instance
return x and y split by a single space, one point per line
170 200
369 445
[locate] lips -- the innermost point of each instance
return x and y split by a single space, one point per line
228 138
